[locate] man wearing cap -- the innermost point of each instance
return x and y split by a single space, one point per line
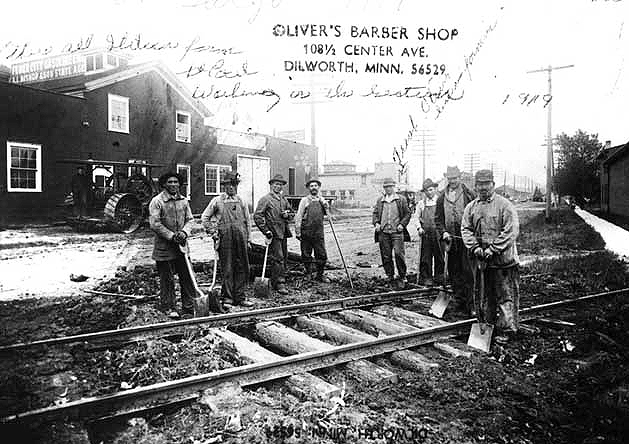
390 217
227 220
427 228
490 228
272 216
81 189
448 216
309 229
170 218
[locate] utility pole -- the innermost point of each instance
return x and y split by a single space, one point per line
423 142
471 162
549 143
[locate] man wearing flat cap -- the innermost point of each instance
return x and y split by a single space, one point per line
428 230
390 217
272 216
490 228
309 230
227 220
170 218
448 216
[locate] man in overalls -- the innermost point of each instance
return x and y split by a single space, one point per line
309 229
272 217
428 230
227 220
490 228
449 213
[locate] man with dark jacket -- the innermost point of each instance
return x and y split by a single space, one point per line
390 217
227 220
426 228
309 229
170 219
448 217
272 216
81 189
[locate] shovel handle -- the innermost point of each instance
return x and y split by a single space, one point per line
351 284
419 256
266 254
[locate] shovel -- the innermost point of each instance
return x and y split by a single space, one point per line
481 332
440 304
202 303
261 285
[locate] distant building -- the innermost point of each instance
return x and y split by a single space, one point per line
355 188
614 177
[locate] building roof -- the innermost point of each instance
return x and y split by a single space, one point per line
78 85
614 153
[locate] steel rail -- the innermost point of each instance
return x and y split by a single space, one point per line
227 318
150 396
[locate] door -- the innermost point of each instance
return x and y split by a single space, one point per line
291 181
254 178
184 188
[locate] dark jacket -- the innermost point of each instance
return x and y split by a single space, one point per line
268 215
403 210
440 217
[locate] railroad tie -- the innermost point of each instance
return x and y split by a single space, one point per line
293 342
302 385
340 333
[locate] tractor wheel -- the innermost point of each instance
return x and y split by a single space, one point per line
124 210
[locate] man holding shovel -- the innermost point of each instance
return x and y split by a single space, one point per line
272 216
309 230
170 218
448 214
489 229
227 220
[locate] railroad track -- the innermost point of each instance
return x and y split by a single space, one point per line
399 338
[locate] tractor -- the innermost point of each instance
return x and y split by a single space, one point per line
119 197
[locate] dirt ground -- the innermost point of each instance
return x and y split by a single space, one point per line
552 385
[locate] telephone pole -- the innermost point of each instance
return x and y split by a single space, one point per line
549 143
423 141
471 162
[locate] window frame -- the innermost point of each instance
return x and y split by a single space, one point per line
185 166
110 99
189 132
218 177
38 169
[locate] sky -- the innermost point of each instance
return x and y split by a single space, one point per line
487 50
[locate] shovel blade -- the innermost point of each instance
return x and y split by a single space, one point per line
201 306
261 287
480 336
440 304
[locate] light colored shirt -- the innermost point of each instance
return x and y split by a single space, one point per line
168 214
212 215
390 215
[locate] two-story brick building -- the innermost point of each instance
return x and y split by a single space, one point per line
104 108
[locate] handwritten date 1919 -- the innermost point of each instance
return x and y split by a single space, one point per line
428 69
529 99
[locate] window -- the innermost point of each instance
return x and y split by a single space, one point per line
112 60
291 181
213 174
184 188
182 133
342 194
351 194
332 192
24 167
89 63
118 113
363 180
133 169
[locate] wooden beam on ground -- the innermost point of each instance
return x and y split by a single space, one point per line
292 342
374 322
301 385
408 317
451 350
340 333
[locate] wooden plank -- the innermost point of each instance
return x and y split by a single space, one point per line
340 333
408 317
302 385
451 350
293 342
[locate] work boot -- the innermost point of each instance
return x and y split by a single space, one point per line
281 288
243 303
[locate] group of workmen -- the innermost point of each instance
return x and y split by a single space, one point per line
455 226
